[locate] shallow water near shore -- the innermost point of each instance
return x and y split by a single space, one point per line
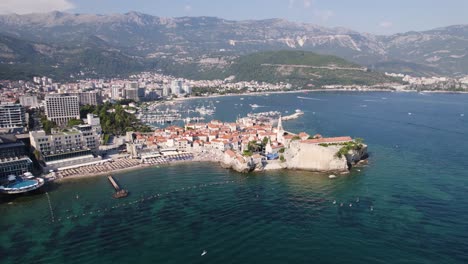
408 205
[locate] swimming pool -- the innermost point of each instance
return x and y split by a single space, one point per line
22 184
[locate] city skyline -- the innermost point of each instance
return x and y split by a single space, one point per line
364 15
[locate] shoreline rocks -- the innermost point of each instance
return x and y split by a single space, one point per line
301 156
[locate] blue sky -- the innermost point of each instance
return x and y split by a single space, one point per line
373 16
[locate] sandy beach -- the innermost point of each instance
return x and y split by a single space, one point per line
81 172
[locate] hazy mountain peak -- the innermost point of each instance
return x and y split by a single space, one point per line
150 36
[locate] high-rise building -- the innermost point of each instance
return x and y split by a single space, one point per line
28 101
89 98
187 89
176 87
61 108
12 115
141 93
166 91
135 94
117 92
131 93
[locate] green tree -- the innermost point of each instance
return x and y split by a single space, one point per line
47 125
74 122
282 159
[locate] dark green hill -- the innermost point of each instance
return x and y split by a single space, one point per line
293 57
302 68
21 59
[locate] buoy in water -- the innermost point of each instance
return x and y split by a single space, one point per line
334 201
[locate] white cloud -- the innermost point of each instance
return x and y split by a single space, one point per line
34 6
386 24
307 3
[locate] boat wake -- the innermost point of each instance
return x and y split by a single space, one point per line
256 106
310 98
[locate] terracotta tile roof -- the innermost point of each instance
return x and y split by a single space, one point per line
231 153
257 156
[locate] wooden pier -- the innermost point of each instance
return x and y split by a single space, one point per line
119 193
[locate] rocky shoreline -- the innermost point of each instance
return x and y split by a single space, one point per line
302 156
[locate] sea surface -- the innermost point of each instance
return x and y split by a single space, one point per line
408 205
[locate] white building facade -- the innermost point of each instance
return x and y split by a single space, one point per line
12 115
62 108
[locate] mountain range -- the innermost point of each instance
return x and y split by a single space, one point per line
113 44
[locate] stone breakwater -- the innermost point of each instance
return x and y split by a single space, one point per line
302 156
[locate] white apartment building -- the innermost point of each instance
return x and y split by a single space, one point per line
12 115
61 108
89 98
29 101
176 87
79 141
117 92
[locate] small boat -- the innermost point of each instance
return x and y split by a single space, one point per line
254 105
203 253
332 176
242 98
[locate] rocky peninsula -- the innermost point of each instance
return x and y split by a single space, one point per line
299 152
253 143
304 155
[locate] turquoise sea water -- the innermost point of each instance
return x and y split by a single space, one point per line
409 205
